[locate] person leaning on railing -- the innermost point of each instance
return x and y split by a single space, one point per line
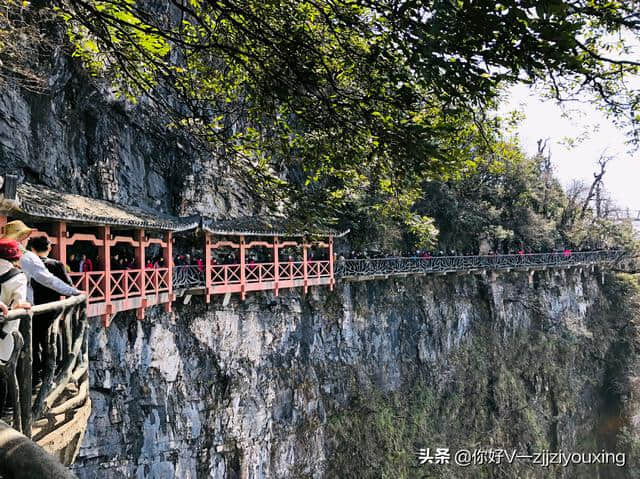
32 263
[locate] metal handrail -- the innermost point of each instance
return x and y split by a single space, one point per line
187 276
397 265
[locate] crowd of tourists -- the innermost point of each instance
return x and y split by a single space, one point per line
426 254
28 277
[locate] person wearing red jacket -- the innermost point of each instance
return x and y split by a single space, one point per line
86 265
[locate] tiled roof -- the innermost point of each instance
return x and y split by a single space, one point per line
261 226
39 201
42 202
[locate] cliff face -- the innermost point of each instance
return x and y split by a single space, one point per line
347 384
78 138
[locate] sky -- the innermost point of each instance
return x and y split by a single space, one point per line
544 119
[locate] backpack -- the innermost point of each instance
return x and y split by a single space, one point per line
3 279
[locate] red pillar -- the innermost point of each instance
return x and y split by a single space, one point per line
3 221
208 269
104 258
60 249
331 278
168 261
140 259
305 270
243 283
276 264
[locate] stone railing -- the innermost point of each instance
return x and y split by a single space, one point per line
395 266
55 412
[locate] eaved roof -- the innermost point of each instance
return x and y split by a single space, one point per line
42 202
262 226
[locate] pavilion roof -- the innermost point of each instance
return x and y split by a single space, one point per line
264 226
39 201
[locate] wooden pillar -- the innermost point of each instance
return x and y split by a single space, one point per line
168 261
276 264
208 269
331 278
104 258
305 271
140 259
3 221
243 283
60 249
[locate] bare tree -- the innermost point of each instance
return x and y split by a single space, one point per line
595 191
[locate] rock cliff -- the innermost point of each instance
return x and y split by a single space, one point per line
80 139
349 383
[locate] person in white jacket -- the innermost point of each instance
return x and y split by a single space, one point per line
13 292
32 265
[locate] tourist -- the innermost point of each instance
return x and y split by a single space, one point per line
200 264
13 292
32 265
73 263
85 265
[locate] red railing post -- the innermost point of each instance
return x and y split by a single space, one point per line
140 259
125 283
243 283
276 265
331 278
208 269
104 258
85 284
168 261
305 272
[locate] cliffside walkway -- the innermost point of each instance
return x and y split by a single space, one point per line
366 269
290 255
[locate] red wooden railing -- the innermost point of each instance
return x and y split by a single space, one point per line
122 284
110 291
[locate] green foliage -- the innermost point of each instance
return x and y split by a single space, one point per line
510 202
346 95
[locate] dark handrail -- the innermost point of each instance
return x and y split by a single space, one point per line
187 276
390 266
68 329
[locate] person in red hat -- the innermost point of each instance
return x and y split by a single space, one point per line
13 291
